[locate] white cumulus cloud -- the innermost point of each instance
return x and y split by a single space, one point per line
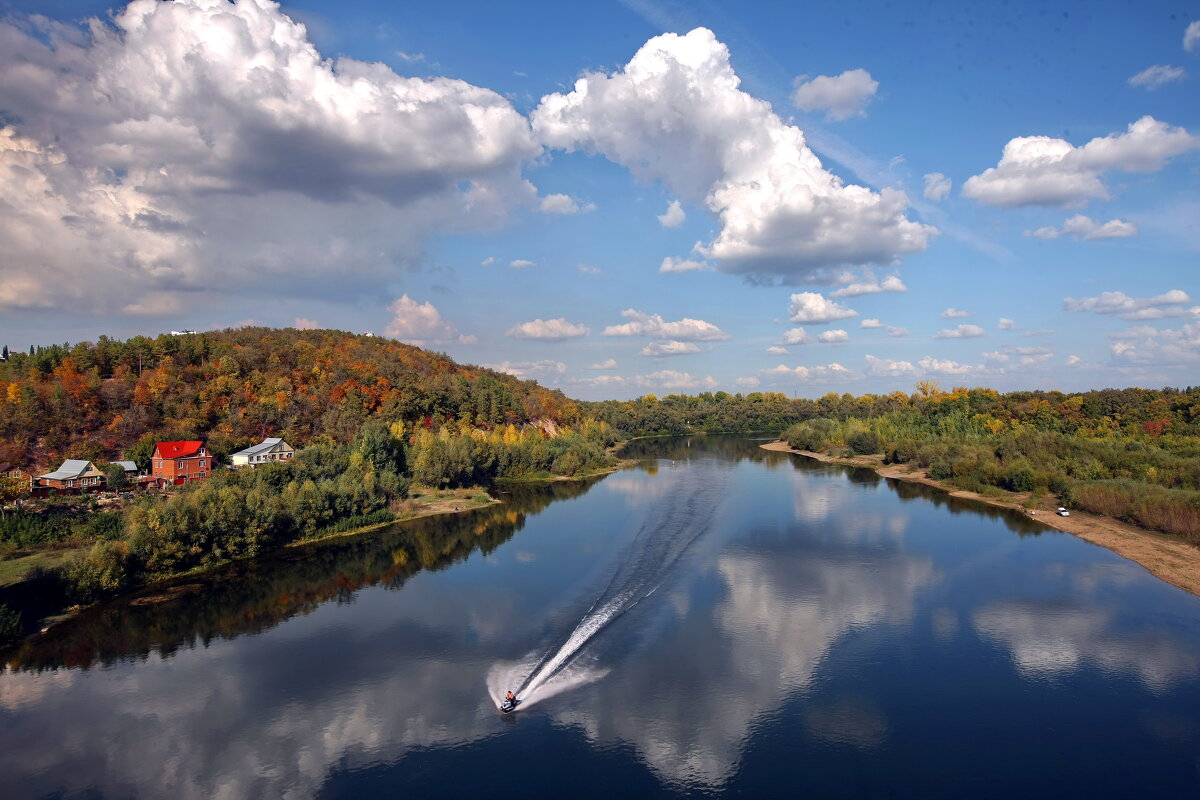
655 327
954 313
1167 304
169 121
608 363
305 324
673 217
871 323
1148 345
1191 36
839 96
795 336
1153 77
834 337
889 367
937 186
521 263
822 372
776 350
871 285
1042 170
530 369
944 366
676 113
1083 227
554 330
815 308
1005 324
961 332
669 348
421 324
670 264
564 204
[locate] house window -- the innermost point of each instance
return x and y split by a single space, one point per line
179 465
202 462
201 474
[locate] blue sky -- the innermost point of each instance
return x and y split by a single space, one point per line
852 197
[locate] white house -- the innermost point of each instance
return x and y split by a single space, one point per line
273 449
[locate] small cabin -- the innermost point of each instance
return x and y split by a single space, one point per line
266 451
17 473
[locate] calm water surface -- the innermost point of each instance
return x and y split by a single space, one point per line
728 621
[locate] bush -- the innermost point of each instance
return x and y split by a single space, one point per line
901 452
813 434
102 573
1017 478
940 470
10 624
865 442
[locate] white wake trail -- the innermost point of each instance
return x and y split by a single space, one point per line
662 540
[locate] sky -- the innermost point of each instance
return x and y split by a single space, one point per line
618 198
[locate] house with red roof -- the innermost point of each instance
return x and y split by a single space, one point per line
180 462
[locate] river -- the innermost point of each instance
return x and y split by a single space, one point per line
719 620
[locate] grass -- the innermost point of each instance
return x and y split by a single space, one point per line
14 570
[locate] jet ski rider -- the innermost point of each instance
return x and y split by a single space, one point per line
510 697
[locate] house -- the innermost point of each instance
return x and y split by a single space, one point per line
180 462
274 449
73 474
12 471
129 467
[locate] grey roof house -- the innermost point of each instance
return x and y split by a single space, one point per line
273 449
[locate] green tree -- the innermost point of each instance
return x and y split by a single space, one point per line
115 477
380 448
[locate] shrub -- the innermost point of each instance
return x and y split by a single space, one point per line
901 452
865 442
1017 478
102 573
10 624
940 470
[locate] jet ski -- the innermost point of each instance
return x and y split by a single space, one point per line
509 705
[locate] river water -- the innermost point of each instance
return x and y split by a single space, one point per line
720 620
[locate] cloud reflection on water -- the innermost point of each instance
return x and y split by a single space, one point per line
1048 641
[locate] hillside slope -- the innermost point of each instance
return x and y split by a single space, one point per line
232 387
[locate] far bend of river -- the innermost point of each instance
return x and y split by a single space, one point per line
742 622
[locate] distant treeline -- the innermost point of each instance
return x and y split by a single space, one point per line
1129 464
1133 454
1160 415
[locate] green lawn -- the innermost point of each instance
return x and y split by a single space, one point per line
13 570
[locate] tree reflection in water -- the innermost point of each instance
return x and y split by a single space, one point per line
251 596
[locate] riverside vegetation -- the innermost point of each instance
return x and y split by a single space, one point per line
375 417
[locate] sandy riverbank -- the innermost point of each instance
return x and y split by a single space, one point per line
1176 562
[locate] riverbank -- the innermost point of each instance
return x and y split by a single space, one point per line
1176 562
423 503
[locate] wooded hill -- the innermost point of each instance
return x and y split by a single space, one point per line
231 388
